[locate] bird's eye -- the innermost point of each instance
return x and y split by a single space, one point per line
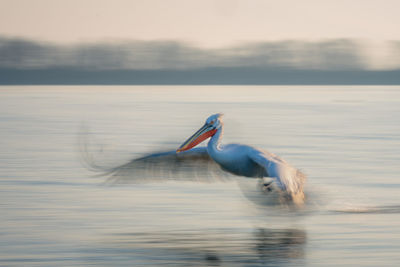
212 122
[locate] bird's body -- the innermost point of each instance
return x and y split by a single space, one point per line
234 158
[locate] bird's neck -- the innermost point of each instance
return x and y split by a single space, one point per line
214 144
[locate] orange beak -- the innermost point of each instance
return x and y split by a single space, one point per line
202 134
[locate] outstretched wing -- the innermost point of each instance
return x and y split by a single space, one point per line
191 165
288 178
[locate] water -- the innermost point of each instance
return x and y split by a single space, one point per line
54 213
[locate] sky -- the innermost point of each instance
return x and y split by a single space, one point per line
208 23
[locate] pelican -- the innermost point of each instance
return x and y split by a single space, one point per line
274 173
247 161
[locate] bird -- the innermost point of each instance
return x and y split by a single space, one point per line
226 161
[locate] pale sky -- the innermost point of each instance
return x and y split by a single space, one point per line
200 22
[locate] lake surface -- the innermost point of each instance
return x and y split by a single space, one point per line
54 212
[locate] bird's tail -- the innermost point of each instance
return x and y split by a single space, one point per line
297 195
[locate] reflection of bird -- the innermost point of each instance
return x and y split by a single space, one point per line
241 160
212 247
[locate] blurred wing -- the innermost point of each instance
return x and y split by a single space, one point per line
191 165
288 178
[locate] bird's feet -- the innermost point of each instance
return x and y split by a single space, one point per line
267 186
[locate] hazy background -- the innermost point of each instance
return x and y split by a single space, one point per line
187 42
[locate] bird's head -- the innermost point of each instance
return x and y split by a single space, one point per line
215 120
211 127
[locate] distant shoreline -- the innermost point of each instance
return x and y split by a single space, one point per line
206 76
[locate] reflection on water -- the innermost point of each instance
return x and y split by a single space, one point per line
227 247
